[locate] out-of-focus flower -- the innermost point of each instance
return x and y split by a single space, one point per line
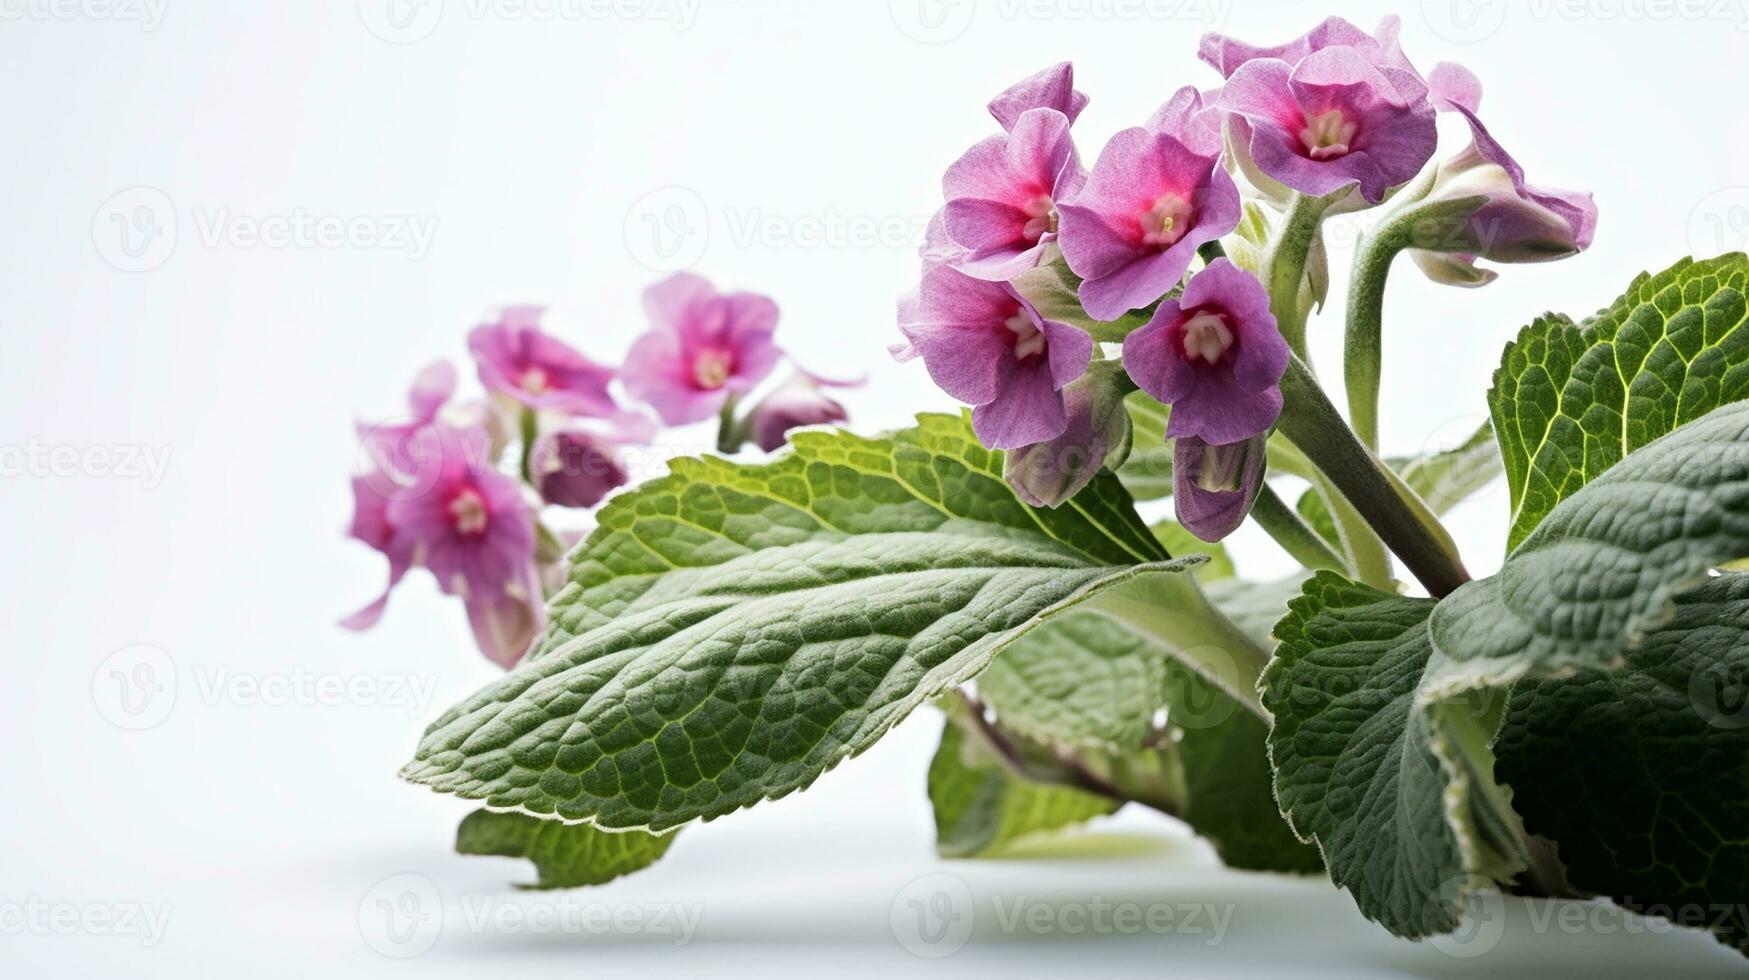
1149 201
471 526
1215 485
703 347
1052 88
986 346
1332 109
389 444
516 359
1002 195
576 463
1097 436
1517 221
1214 354
798 402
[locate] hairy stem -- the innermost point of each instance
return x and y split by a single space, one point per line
1294 535
730 434
1286 265
1170 609
1312 423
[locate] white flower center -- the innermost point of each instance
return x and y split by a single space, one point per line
535 381
1166 222
468 512
710 368
1207 336
1028 339
1327 135
1041 214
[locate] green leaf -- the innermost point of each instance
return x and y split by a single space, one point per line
565 855
1570 401
1384 705
1177 541
982 808
1092 683
732 631
1642 774
1395 789
1147 474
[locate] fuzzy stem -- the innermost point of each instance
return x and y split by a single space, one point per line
1294 535
1286 265
1312 423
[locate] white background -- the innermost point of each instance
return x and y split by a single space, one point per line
534 143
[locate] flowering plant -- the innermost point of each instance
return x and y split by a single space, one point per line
1133 330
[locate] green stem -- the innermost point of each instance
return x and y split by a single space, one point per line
729 432
1437 225
1292 532
1312 423
530 426
1286 264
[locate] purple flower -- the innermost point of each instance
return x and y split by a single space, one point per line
798 402
1149 201
389 444
516 359
1215 485
703 347
1214 354
1052 88
1002 195
1447 80
986 346
471 526
1046 474
577 464
1336 108
1518 221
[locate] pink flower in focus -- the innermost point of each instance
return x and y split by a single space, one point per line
704 346
1002 195
516 359
1052 88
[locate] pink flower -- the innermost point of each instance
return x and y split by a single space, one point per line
1336 108
1152 197
1046 474
1214 354
1002 195
704 346
579 463
515 358
471 526
1052 88
988 347
798 402
389 444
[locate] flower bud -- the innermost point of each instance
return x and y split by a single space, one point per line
1215 485
1048 473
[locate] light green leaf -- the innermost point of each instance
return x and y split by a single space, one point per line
982 807
565 855
1081 679
1642 774
1570 401
732 631
1178 541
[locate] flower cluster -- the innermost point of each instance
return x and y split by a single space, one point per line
460 488
1336 120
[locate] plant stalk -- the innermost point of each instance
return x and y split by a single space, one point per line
1295 536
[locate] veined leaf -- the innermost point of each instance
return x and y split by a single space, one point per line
1570 401
565 855
1147 474
732 631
